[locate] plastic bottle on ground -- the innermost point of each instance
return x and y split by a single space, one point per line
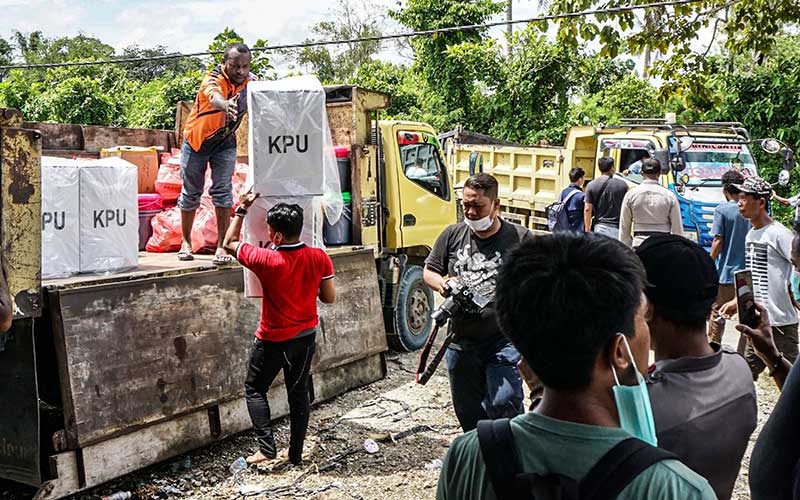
238 465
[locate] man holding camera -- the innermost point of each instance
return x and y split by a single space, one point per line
481 362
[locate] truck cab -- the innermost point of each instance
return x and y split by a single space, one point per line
693 159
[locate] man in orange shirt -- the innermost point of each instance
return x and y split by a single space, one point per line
210 138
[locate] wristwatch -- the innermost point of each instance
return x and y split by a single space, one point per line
240 211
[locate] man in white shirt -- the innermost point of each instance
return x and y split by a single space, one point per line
768 251
649 208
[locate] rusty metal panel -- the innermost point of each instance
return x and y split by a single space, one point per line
20 178
10 117
19 420
137 352
353 326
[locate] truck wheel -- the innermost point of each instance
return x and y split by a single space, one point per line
412 313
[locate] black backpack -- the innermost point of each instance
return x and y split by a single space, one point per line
557 219
609 476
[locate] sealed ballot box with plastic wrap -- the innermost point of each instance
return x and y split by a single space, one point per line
89 216
292 160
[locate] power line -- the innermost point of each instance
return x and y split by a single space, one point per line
393 36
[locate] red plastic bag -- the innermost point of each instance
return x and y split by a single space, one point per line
204 230
166 232
168 182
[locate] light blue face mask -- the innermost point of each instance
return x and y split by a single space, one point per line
633 405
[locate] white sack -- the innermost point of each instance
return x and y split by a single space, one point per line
60 218
109 234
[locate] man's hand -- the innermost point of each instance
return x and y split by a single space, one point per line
232 107
728 309
247 199
761 337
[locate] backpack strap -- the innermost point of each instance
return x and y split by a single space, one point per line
571 194
499 456
621 465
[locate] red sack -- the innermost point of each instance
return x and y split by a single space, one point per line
168 182
166 232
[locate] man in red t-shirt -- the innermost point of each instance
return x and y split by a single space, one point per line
292 276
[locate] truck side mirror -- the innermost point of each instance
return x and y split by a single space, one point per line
662 155
475 163
783 178
788 159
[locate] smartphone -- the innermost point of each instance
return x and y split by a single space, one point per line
745 299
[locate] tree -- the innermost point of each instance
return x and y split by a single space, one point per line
260 63
146 71
339 64
435 55
673 33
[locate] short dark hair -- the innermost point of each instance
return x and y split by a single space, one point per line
238 47
605 163
483 182
576 174
651 166
286 219
547 287
730 178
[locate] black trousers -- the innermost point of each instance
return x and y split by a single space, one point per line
267 359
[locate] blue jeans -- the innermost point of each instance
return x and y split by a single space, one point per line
607 230
193 176
484 383
776 455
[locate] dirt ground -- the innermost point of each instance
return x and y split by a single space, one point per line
413 426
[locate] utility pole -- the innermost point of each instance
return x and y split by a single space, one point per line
509 27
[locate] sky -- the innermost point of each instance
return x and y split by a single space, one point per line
186 25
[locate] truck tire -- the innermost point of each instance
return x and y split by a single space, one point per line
412 313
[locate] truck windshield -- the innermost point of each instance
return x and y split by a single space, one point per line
705 163
421 163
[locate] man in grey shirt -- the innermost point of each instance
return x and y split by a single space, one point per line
703 398
603 200
649 208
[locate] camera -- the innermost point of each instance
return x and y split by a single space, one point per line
460 299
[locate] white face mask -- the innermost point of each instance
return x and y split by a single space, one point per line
479 225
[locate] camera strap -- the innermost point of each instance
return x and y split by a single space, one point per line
425 371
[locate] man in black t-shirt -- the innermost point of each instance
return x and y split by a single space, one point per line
481 362
604 200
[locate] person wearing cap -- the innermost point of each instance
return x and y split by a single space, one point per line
729 231
768 256
695 386
649 208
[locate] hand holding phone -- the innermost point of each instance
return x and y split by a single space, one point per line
745 300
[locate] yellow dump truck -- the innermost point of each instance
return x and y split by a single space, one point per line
693 159
106 374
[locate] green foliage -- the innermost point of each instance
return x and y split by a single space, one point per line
259 64
629 97
145 71
153 103
439 57
672 32
347 21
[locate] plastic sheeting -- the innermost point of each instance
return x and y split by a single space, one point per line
60 219
290 143
254 230
109 221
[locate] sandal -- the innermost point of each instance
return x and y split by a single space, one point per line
222 259
185 255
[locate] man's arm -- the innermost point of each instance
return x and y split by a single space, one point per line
676 224
625 220
6 306
434 280
764 346
327 291
231 241
587 216
716 246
